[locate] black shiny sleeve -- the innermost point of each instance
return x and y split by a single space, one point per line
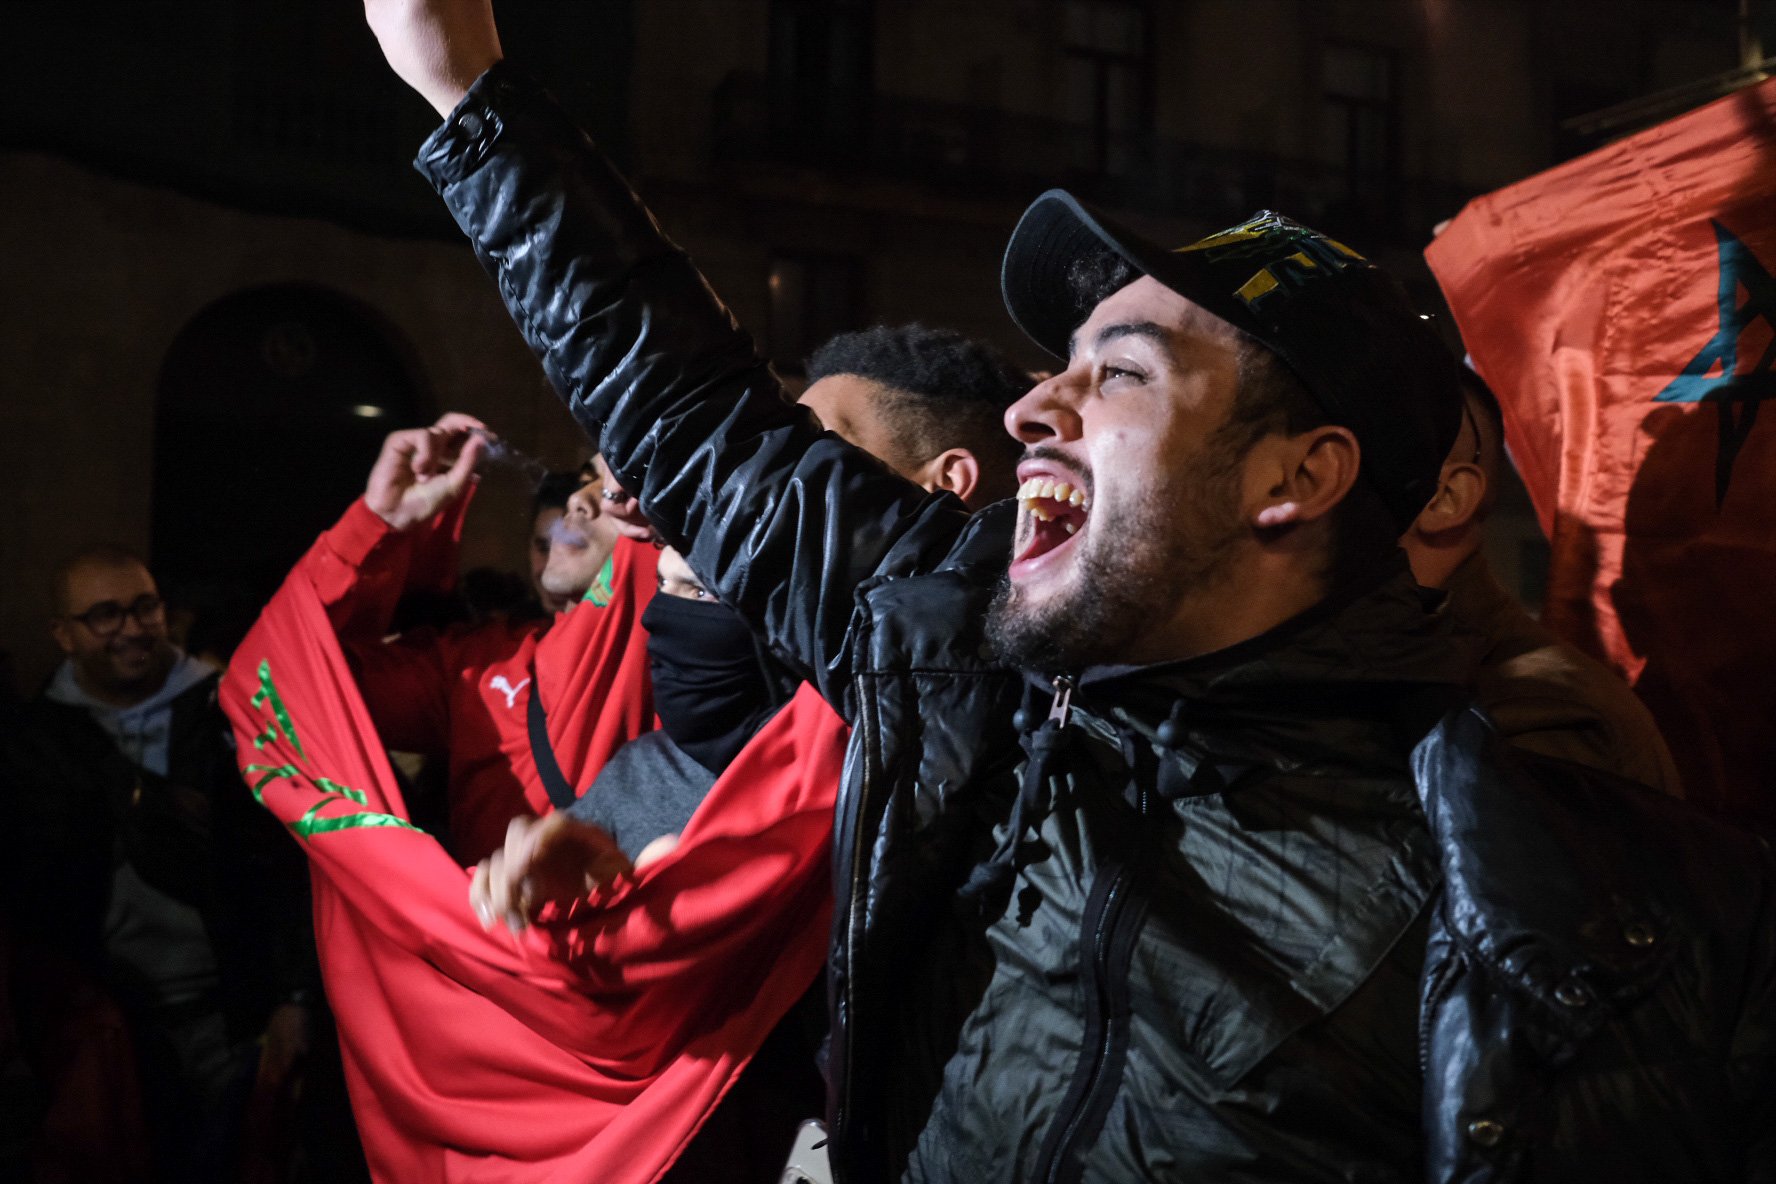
785 523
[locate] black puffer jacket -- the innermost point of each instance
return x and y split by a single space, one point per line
1194 922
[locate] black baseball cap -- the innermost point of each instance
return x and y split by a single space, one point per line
1341 324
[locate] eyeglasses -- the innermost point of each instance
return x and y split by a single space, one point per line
106 617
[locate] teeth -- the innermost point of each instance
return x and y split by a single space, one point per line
1038 491
1070 526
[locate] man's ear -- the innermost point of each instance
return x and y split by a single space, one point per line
955 470
1303 478
64 637
1461 491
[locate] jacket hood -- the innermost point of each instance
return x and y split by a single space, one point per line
186 673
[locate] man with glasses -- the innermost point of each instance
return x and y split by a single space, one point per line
140 862
111 625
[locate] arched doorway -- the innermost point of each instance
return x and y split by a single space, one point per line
272 405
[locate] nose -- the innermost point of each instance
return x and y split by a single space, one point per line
1048 412
584 500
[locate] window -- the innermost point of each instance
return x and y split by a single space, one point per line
813 297
1362 119
1107 82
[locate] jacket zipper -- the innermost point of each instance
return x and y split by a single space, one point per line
1107 999
1092 1072
1061 710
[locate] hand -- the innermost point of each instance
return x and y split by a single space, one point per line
617 504
438 47
553 858
422 470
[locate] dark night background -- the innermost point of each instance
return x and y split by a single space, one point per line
223 282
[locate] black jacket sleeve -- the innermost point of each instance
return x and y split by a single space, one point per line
783 522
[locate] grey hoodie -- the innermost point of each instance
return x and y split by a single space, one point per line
140 732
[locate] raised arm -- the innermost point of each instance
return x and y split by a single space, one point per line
395 538
781 522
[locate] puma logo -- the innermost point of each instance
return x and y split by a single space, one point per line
505 688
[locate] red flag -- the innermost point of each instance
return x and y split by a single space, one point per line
1621 305
591 1049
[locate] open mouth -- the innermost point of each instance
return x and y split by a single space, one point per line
563 535
1055 511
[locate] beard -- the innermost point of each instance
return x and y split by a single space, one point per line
135 667
1136 564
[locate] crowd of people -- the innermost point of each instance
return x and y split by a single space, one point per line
1127 772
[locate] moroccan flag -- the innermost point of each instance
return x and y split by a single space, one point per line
591 1047
1621 305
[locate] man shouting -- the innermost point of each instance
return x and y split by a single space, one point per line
1139 873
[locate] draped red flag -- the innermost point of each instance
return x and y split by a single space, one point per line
588 1049
1621 306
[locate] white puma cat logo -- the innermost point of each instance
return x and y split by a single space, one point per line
505 688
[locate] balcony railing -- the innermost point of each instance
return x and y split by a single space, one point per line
979 151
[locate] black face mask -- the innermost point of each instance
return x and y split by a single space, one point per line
711 688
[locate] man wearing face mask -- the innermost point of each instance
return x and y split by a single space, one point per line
714 688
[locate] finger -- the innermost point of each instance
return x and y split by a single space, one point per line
523 835
499 897
397 453
479 896
463 470
518 859
457 422
655 851
427 446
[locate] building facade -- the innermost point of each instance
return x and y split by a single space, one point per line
224 282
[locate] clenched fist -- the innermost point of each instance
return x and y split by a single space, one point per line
438 47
